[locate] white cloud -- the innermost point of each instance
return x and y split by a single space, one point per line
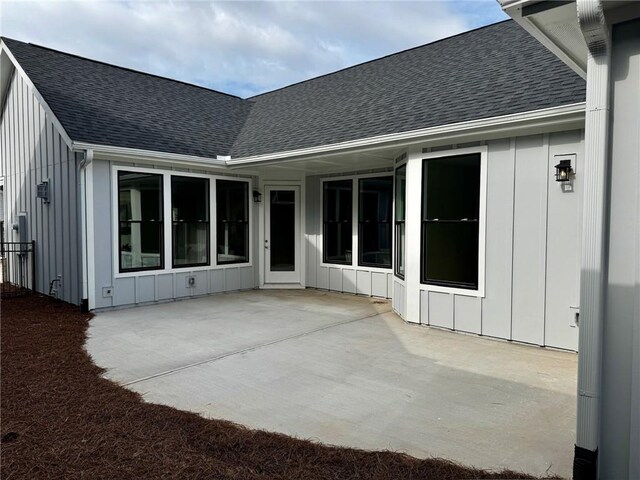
239 47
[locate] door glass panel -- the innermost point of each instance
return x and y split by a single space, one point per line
283 230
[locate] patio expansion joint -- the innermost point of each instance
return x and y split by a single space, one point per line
249 349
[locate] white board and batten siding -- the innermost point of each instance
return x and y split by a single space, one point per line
154 285
532 248
33 150
354 279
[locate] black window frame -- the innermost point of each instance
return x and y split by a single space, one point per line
387 222
424 225
326 223
399 247
141 222
246 222
206 222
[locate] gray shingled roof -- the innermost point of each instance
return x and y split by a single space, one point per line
107 105
491 71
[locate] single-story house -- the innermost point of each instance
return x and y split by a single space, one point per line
427 177
449 178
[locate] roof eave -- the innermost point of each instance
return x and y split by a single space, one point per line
149 156
555 25
568 116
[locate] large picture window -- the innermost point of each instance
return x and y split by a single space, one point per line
374 221
190 221
450 221
140 226
232 212
400 198
337 221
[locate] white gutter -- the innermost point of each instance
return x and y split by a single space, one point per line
138 155
594 259
542 117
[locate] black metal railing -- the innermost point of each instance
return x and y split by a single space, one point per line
17 268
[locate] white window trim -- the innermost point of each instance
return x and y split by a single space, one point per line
167 222
354 222
397 165
482 221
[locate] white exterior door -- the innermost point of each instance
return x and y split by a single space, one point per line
282 235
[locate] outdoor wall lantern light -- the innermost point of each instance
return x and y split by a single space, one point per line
257 196
563 171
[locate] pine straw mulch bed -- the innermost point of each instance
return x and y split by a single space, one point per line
61 419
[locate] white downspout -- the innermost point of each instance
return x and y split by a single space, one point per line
82 168
594 261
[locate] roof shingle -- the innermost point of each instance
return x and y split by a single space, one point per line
492 71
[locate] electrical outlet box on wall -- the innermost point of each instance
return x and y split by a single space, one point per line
190 281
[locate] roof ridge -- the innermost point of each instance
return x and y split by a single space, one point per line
122 68
382 58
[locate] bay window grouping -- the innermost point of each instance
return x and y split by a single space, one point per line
141 220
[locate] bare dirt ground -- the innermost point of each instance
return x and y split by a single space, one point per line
61 419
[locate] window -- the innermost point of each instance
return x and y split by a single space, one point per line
400 194
232 198
450 211
190 221
374 221
140 227
337 221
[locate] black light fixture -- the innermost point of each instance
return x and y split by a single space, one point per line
257 196
563 171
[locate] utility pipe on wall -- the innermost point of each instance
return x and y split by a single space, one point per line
594 259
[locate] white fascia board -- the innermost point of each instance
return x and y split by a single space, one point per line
37 95
505 123
148 156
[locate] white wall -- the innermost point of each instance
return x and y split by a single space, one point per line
153 285
33 149
531 248
620 390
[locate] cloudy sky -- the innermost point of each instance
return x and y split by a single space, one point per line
240 47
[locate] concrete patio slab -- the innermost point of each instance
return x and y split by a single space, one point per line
344 370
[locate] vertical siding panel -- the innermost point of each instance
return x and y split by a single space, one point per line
21 171
529 248
312 186
563 252
46 209
102 235
33 201
440 309
468 313
65 221
51 265
72 202
38 114
58 251
496 306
